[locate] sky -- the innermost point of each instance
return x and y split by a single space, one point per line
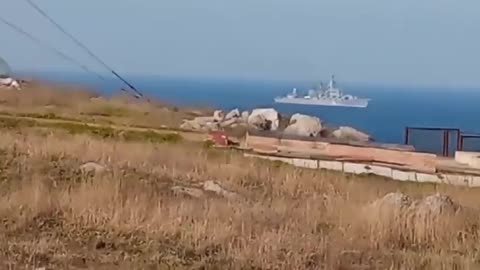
428 42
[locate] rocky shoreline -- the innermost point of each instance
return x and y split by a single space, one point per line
269 119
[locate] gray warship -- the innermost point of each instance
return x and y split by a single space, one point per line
330 96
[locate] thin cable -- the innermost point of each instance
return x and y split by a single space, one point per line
79 43
45 45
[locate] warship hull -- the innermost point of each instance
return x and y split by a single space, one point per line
358 103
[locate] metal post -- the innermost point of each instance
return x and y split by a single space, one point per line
407 135
460 143
445 143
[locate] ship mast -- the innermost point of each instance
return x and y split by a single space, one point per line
331 85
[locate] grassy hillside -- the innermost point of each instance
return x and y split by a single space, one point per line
130 216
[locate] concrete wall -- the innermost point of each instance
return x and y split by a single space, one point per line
395 174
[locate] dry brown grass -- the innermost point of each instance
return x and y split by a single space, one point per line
128 218
53 215
67 102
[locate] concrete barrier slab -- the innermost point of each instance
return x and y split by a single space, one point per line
471 159
474 181
330 165
358 168
404 176
354 168
305 163
430 178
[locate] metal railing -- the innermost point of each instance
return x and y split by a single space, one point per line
465 138
438 140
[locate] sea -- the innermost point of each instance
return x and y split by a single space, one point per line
390 111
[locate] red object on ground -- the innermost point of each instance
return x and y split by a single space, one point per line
219 138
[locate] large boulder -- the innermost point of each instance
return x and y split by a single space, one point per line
93 168
218 116
304 125
244 116
9 82
216 188
232 114
390 203
351 134
435 205
201 123
399 205
229 122
265 119
298 117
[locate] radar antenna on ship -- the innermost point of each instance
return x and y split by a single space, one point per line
331 85
322 87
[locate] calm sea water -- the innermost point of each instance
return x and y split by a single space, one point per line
389 112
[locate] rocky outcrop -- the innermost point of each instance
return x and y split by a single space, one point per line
435 205
8 82
244 116
93 168
395 200
213 123
264 119
204 189
351 134
389 205
233 114
218 116
188 191
201 123
268 119
401 205
304 125
216 188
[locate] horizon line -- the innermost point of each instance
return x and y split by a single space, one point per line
423 86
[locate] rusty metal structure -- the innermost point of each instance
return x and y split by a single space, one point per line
467 142
440 140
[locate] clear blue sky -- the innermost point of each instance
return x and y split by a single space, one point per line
409 41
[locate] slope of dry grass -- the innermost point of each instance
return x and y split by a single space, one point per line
71 103
53 215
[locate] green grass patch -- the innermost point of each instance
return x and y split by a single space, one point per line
15 123
108 110
50 116
103 132
151 136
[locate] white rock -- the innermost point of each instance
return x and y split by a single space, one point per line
266 119
390 206
435 205
232 114
92 167
229 123
213 186
349 133
9 82
245 115
394 200
303 117
201 123
218 116
204 119
304 125
189 191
